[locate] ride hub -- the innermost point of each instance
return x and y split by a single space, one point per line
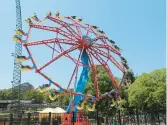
85 42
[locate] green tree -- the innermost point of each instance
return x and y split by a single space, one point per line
129 78
104 84
34 95
5 94
62 100
148 91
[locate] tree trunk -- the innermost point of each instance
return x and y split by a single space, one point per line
119 113
137 117
145 118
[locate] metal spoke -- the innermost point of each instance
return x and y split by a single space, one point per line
76 67
105 65
66 25
109 57
58 56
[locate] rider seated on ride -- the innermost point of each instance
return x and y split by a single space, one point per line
74 17
123 59
54 95
81 104
16 38
49 13
125 65
111 41
57 14
79 19
27 67
116 47
44 86
114 100
21 58
28 20
110 94
20 32
95 27
91 107
101 31
35 17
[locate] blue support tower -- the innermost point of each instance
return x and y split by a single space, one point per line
16 83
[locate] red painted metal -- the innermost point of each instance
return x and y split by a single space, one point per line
95 79
46 77
31 57
105 65
79 30
94 75
53 40
111 58
76 67
68 56
58 56
64 24
54 29
72 33
107 47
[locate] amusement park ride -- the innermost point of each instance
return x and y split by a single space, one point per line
95 48
18 52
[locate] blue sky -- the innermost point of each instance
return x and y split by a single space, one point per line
137 26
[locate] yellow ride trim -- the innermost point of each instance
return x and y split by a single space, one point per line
53 98
16 39
81 107
43 90
20 60
91 109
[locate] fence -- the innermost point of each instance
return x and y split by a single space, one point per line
83 118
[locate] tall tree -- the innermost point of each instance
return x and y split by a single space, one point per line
148 91
105 85
5 94
34 95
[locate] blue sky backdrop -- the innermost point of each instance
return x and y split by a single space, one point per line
137 26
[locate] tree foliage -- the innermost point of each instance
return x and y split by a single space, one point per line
148 90
104 84
34 95
5 94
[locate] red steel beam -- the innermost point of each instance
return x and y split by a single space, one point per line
67 55
94 75
105 65
54 29
108 56
64 90
31 57
64 24
76 67
58 56
53 40
78 29
46 77
95 79
107 47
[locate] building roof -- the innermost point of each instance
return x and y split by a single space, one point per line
9 101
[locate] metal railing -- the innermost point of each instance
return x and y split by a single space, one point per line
83 118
